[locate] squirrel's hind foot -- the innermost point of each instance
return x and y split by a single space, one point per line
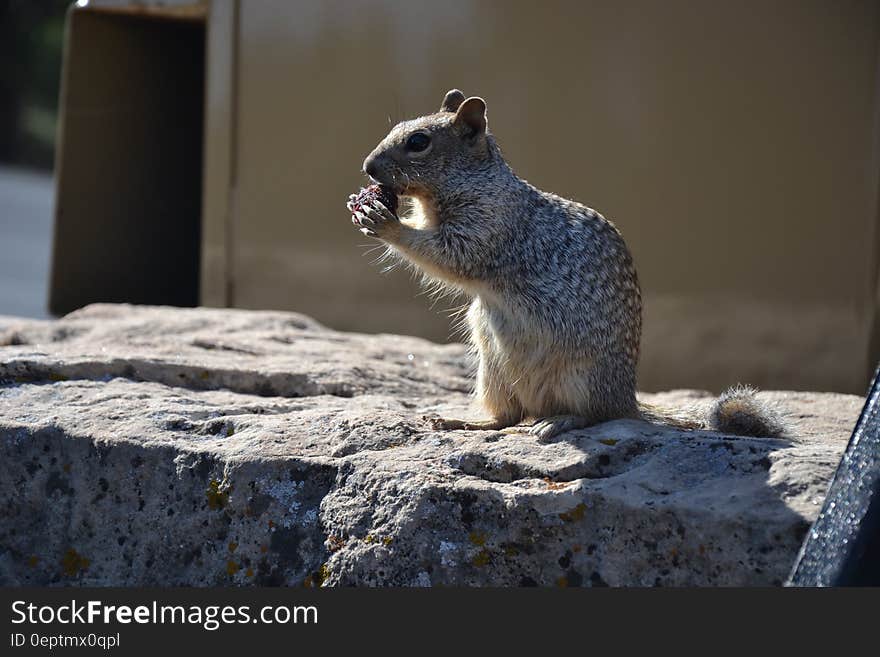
547 428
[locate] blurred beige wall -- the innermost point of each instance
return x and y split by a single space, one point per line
734 144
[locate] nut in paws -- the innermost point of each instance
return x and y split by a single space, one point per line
373 210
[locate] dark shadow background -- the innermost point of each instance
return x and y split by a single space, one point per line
31 36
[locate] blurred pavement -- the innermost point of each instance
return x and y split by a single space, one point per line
26 212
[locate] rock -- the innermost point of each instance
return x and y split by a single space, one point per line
159 446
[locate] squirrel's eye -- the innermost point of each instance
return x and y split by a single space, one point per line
417 142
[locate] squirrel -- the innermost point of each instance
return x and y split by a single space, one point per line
556 313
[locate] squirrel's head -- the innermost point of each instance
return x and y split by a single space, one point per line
419 156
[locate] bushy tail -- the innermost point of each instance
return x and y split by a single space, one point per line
738 411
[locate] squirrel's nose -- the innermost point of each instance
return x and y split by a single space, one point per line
370 167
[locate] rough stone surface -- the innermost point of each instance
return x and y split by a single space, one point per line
159 446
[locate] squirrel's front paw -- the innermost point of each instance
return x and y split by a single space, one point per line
372 217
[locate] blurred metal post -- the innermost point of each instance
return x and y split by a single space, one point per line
843 546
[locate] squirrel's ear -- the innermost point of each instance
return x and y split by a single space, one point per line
471 116
453 99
